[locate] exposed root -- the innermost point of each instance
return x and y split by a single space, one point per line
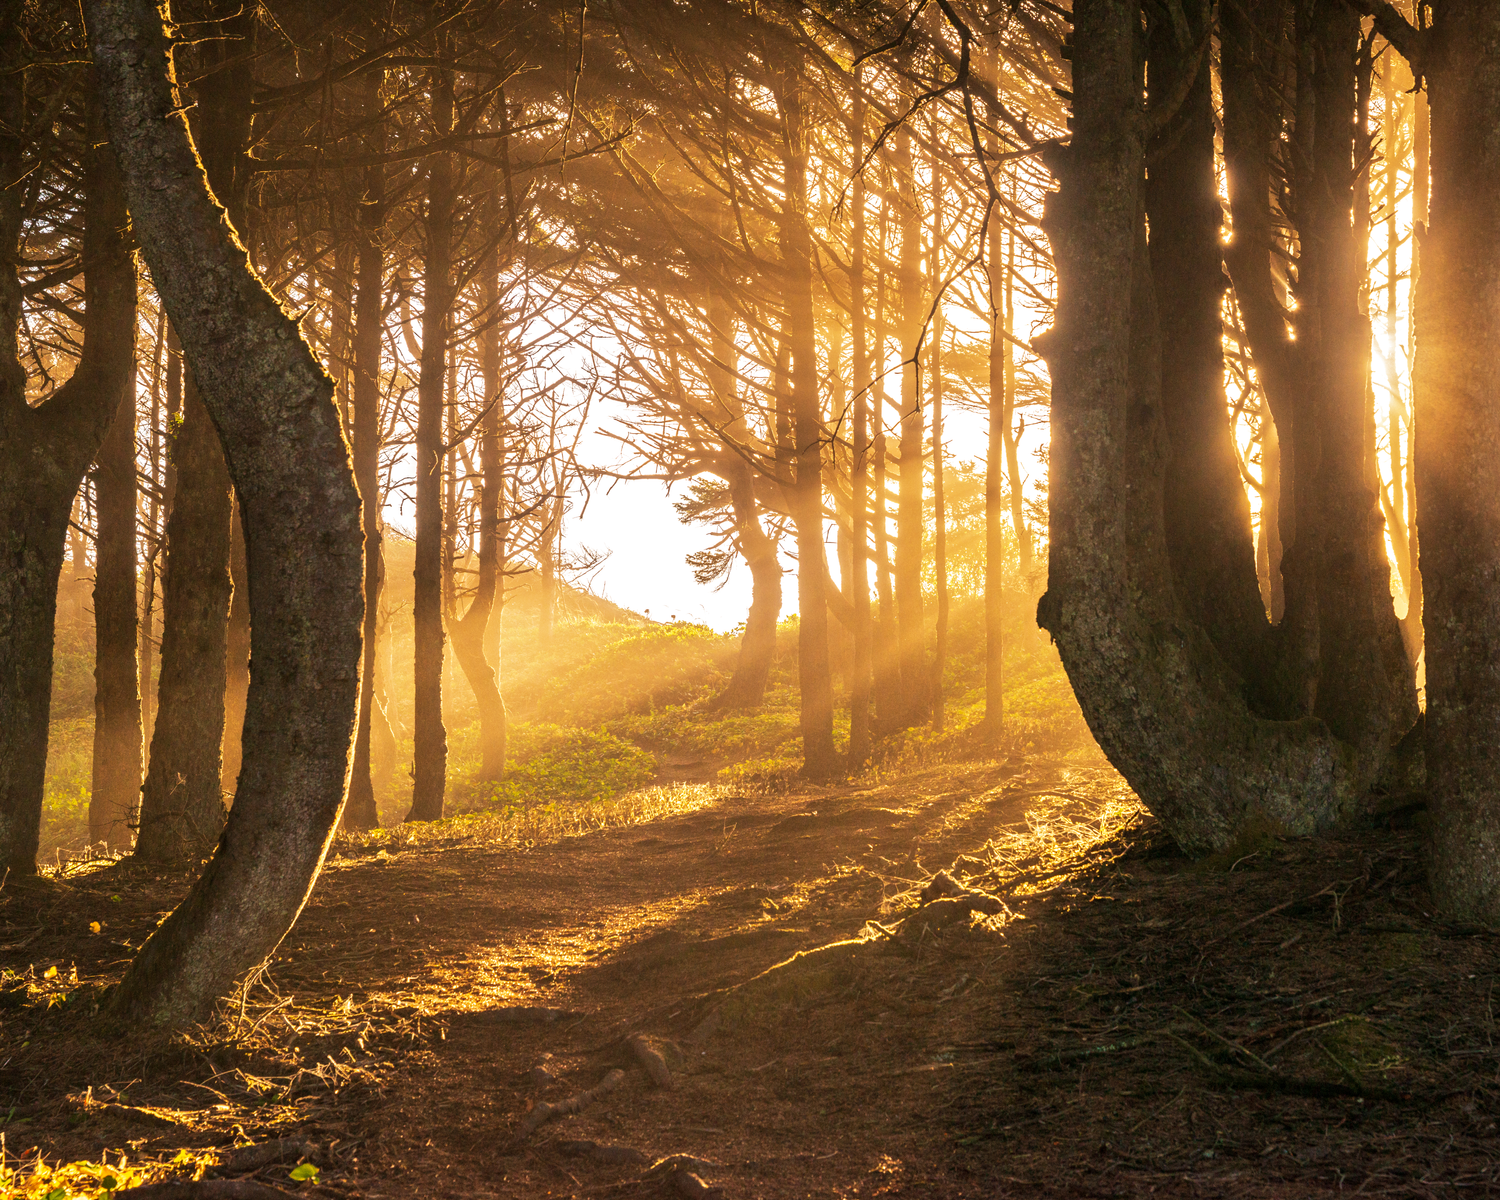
543 1112
652 1060
253 1158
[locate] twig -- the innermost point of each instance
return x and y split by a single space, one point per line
544 1112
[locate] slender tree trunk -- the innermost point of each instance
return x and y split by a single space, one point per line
182 805
886 667
1421 189
117 702
939 499
45 450
1458 475
273 405
998 279
147 627
859 582
469 632
360 812
236 654
429 737
815 684
916 673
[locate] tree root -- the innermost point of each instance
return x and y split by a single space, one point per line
544 1112
605 1153
252 1158
1291 1085
652 1060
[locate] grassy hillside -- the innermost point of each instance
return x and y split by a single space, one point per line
612 702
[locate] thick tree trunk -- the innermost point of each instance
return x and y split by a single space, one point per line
182 804
45 450
273 406
1457 465
1149 682
1365 688
1209 535
360 812
117 702
429 737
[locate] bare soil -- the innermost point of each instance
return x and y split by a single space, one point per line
1285 1021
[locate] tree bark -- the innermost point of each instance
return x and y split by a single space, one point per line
45 450
815 683
361 812
469 631
182 804
1148 680
273 406
429 737
916 674
1457 467
859 583
116 779
1209 534
747 686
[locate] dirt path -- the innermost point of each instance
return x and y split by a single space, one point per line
1124 1024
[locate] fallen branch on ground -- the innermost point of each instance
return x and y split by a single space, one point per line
205 1189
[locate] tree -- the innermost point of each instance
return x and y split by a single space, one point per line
45 449
1458 413
273 406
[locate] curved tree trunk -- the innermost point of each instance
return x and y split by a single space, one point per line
747 686
273 406
196 747
1150 683
44 451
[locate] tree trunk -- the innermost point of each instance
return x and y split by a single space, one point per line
815 683
1157 701
1365 690
1209 534
117 702
1457 472
859 583
916 674
886 651
182 805
747 686
273 406
997 277
429 737
469 632
360 812
45 450
236 655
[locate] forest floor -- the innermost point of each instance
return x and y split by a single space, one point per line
1106 1019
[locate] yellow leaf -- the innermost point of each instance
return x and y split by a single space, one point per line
95 927
50 973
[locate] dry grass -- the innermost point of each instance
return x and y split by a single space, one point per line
537 824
